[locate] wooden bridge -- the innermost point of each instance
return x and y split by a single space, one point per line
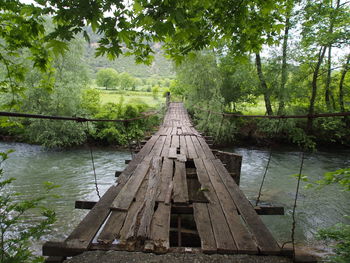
174 195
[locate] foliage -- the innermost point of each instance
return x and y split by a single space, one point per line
91 100
121 133
341 177
340 233
108 78
16 233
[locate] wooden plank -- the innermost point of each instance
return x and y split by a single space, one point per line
158 146
166 176
221 230
243 239
206 148
183 146
192 154
112 227
82 235
199 149
150 199
181 158
140 156
124 199
180 192
132 220
204 227
160 228
165 150
84 204
175 141
265 241
172 153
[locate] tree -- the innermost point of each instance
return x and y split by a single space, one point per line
265 90
324 26
126 81
108 78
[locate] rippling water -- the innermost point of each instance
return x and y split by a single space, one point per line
316 208
72 170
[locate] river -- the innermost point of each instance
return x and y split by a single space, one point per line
72 170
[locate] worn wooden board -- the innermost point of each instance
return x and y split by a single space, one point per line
183 146
204 227
166 146
243 239
180 191
192 154
160 228
200 152
127 194
132 221
222 233
172 153
175 141
112 227
144 230
265 241
166 176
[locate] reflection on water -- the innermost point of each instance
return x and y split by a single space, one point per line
34 165
316 208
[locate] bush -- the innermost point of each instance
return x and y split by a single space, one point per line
16 239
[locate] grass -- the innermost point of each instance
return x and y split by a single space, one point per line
132 96
257 108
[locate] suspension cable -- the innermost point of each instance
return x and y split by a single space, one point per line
295 203
93 164
267 166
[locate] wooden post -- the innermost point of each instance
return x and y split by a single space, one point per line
232 162
167 101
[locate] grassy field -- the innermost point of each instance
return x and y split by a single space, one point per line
132 96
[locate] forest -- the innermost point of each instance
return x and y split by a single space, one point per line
273 58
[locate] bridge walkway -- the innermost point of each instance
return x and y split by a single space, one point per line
175 193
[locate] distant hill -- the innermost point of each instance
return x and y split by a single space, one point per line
161 67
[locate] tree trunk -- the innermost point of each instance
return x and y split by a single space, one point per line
314 87
328 80
341 84
263 85
284 72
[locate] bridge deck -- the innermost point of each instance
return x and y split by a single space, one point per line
174 193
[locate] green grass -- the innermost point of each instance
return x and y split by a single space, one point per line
253 109
132 96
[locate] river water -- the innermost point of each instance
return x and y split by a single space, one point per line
72 170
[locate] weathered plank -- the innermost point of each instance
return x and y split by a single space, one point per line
150 199
242 237
183 146
265 241
158 147
223 236
166 176
172 153
192 154
198 147
160 228
112 227
127 194
132 221
206 148
180 192
166 146
175 141
204 227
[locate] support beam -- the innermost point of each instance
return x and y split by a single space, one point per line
232 163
